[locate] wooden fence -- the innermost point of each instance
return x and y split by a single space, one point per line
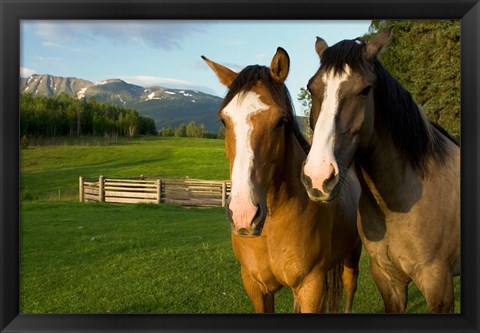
185 192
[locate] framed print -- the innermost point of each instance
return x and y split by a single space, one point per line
94 178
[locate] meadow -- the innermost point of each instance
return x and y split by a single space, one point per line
52 171
143 258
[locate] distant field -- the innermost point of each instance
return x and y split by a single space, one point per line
51 172
106 258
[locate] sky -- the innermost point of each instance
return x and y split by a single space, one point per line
167 53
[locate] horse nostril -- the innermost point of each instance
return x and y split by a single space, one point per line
258 214
329 184
242 231
258 220
306 180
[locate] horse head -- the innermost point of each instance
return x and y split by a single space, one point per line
254 118
342 112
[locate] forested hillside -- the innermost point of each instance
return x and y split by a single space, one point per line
424 56
64 115
165 106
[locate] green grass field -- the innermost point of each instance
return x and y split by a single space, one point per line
106 258
51 172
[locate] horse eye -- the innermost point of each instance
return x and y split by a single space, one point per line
223 122
366 91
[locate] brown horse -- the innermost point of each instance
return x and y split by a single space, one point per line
409 170
281 237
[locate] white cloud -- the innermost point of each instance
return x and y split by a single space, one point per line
51 45
146 80
161 34
234 42
54 45
234 67
47 59
200 64
166 82
26 72
261 56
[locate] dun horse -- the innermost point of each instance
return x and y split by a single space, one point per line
281 237
409 170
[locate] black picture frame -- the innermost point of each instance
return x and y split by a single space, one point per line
13 11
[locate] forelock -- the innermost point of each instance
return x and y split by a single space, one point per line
346 52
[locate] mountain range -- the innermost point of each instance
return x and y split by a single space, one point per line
166 106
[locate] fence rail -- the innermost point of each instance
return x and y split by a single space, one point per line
185 192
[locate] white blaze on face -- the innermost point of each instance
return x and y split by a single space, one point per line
240 111
321 164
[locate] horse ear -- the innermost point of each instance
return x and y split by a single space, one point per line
280 65
376 45
320 46
224 74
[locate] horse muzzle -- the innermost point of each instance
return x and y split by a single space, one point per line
328 191
245 223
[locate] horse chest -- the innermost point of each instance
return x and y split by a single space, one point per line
273 264
289 266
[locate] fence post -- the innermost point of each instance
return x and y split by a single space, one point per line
159 190
80 189
101 194
224 193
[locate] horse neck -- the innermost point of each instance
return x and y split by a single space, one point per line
404 151
387 175
287 183
390 168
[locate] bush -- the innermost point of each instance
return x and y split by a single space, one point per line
167 131
24 142
27 195
208 135
221 133
181 131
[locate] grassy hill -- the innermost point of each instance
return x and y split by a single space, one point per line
51 172
111 258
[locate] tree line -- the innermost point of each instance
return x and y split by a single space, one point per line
190 130
424 56
64 115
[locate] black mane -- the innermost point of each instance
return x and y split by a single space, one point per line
250 76
399 116
396 113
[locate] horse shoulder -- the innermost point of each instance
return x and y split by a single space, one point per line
441 193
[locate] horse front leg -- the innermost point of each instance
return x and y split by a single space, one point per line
436 284
263 301
350 276
311 295
394 291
